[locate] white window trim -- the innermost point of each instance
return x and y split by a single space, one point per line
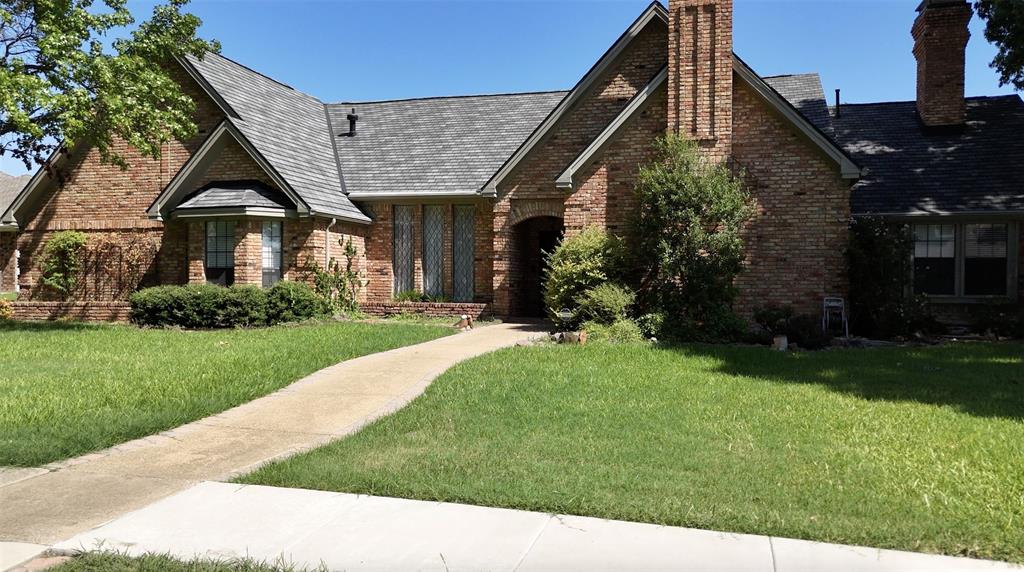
959 238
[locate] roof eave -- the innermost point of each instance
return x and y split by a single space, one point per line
212 212
639 101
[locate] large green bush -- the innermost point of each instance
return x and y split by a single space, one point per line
62 261
207 306
579 264
689 247
881 301
605 303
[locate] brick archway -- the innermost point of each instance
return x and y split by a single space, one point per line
526 209
532 238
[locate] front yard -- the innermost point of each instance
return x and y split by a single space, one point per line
909 448
68 389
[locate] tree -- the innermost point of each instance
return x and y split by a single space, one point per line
688 238
1005 29
60 81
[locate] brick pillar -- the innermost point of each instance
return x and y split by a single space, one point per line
196 252
940 44
248 252
8 265
700 73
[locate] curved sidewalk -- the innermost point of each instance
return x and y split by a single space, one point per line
74 496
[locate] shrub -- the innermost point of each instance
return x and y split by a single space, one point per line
62 261
774 320
605 304
208 306
622 331
879 266
408 296
805 331
6 309
293 302
716 325
651 324
688 239
578 264
1002 320
338 284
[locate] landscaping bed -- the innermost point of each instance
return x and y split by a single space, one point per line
907 448
71 388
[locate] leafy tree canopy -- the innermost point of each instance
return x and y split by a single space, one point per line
62 79
1005 29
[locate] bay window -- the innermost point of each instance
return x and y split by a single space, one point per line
271 253
965 260
220 252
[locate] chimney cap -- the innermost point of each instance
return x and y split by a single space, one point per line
926 4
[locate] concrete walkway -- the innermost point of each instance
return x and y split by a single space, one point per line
43 507
358 532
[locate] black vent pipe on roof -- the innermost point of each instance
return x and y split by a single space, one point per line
352 118
838 103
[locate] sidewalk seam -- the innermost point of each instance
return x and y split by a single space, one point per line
533 542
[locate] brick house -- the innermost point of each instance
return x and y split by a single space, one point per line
457 197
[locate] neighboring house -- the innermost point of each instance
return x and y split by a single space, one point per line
10 186
457 197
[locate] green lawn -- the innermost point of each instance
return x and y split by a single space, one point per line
67 389
907 448
113 562
8 295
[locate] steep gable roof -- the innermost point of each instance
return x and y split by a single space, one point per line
287 127
804 92
432 146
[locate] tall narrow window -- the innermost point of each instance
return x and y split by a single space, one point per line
934 259
433 250
402 257
220 252
985 259
462 252
271 253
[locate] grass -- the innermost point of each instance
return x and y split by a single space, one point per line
115 562
907 448
68 389
8 296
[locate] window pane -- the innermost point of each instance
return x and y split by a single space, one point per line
220 252
985 261
934 259
462 252
433 250
403 252
271 253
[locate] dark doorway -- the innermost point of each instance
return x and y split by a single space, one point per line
532 240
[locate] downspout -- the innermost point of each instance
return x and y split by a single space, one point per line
327 244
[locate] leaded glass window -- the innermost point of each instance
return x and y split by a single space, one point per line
220 252
433 250
271 253
402 260
462 252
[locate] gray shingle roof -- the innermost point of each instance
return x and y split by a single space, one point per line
435 145
288 127
10 186
805 93
914 172
236 194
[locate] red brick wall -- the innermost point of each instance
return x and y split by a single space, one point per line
535 176
110 204
796 242
433 310
8 268
380 248
82 311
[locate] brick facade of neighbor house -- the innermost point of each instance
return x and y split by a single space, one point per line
505 156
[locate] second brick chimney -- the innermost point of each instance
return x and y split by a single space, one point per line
700 73
940 44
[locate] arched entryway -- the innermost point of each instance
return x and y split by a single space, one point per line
532 239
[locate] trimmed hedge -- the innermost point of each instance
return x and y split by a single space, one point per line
204 306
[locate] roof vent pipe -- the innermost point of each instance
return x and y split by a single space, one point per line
838 103
352 118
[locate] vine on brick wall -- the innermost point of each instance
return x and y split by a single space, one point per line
118 264
339 284
62 262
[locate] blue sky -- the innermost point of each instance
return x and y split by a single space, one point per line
347 50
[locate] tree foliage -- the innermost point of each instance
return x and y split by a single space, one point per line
62 261
1005 29
63 80
691 213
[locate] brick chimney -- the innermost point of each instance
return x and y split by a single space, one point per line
940 44
700 73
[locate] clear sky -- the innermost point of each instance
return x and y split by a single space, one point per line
358 51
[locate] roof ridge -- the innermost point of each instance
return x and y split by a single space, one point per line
911 101
790 75
466 96
261 74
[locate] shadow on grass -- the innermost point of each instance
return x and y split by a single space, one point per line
982 379
54 326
